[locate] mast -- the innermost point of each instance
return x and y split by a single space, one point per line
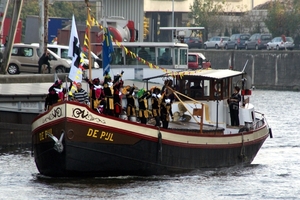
89 43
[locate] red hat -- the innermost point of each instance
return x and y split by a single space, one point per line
96 80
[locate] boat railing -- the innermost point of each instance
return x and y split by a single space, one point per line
259 120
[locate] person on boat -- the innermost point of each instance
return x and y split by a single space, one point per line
234 101
108 92
97 95
117 98
166 112
81 95
44 60
155 102
55 94
143 53
166 56
143 97
167 90
130 107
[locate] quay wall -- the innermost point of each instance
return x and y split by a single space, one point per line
275 70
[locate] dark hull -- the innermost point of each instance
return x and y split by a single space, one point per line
123 152
81 159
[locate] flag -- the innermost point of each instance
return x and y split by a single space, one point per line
75 53
107 49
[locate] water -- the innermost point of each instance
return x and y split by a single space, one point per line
274 174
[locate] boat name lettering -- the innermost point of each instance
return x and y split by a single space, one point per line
103 136
44 135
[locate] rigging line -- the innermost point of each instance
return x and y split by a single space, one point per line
176 94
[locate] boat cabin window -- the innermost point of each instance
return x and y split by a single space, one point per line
201 88
162 54
117 57
183 57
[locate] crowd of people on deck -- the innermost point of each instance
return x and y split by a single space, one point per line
106 98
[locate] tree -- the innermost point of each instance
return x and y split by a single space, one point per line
283 17
57 9
207 13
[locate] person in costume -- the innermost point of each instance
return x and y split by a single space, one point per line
97 95
234 106
130 107
117 95
108 92
55 94
166 112
155 102
143 97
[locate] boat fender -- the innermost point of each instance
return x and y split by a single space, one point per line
270 132
244 129
159 146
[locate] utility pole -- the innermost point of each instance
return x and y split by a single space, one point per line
43 30
3 10
17 7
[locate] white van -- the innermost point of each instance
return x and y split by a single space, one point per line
25 57
62 51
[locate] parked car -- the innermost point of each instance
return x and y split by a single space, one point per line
197 61
237 41
258 41
278 43
193 42
25 57
216 42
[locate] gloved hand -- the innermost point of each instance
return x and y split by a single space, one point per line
86 79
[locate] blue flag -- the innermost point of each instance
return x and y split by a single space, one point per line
107 50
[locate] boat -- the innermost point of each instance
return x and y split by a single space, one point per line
71 139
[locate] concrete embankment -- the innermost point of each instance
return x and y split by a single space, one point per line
30 78
278 70
15 124
273 69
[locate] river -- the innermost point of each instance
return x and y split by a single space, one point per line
274 173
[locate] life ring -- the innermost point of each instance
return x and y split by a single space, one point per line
217 86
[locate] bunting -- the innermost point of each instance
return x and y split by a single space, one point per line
107 43
152 66
75 53
91 21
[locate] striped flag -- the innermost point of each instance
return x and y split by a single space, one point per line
75 53
107 49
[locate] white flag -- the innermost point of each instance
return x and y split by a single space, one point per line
74 52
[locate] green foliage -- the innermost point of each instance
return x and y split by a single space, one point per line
226 32
57 9
206 13
283 18
235 30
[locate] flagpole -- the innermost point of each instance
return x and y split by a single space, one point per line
89 43
89 49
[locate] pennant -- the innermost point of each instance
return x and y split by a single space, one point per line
107 49
75 53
